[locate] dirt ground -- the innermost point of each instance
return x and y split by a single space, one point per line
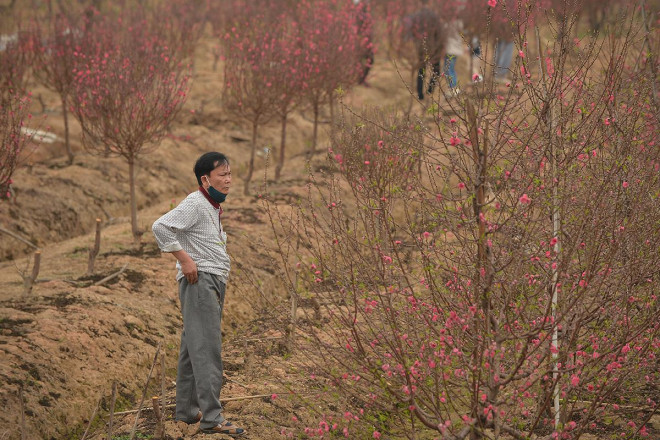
75 334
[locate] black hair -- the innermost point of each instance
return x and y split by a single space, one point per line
207 162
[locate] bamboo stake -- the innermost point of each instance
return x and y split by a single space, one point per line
93 252
556 229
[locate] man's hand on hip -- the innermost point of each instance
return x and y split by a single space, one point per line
188 266
189 269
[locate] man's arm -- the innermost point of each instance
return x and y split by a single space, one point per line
165 229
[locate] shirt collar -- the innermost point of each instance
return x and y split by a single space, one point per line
215 204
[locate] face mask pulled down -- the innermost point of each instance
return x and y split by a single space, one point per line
215 194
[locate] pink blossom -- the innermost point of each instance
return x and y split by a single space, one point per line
376 434
575 380
625 184
461 185
492 3
549 67
524 199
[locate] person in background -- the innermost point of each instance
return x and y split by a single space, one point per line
453 48
364 24
426 30
475 61
192 232
503 57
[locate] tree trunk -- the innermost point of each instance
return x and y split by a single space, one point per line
67 142
413 85
316 128
280 160
131 180
248 178
331 100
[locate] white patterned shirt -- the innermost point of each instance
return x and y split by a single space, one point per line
195 227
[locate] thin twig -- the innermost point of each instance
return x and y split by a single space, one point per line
109 277
237 382
144 393
112 407
89 425
162 382
20 399
172 405
18 237
630 407
268 338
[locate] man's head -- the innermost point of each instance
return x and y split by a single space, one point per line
212 169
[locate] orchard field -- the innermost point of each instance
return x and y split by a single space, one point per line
475 259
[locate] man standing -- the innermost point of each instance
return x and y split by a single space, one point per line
426 30
364 28
192 232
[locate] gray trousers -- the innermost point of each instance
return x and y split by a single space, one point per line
199 374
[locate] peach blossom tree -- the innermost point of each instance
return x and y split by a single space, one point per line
55 62
16 58
128 90
332 49
251 70
14 115
291 78
508 290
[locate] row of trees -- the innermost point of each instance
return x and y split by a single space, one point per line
123 75
279 56
492 274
